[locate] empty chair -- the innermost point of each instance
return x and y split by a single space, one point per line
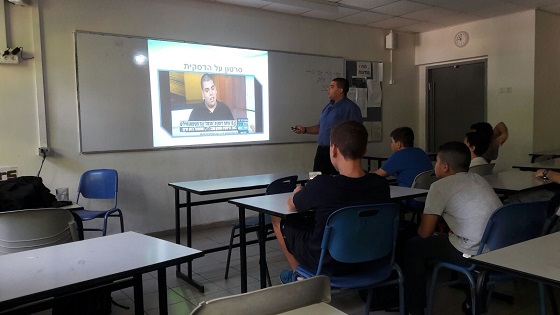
416 205
272 300
278 186
508 225
484 169
95 185
28 229
362 234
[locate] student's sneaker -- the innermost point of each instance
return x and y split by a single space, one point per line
287 276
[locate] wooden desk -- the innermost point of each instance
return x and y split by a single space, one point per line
63 270
275 205
215 187
537 259
380 158
553 164
514 181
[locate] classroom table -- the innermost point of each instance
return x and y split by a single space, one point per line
380 158
537 260
113 261
216 187
553 165
275 205
552 153
515 181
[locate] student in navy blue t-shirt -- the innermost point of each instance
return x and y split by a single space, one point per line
300 236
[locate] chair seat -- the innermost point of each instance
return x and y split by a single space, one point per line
378 272
92 214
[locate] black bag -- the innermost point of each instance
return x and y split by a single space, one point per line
26 192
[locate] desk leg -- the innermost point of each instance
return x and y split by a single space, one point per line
262 250
242 249
138 295
162 289
368 165
188 277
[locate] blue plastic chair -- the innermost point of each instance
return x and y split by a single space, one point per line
508 225
99 184
278 186
360 234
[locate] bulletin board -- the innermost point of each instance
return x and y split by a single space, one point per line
366 90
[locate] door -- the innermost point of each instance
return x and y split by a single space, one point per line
456 99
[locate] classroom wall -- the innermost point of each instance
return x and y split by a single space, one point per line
547 82
508 43
144 196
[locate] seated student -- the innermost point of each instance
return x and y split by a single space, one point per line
465 201
406 161
496 136
477 144
300 236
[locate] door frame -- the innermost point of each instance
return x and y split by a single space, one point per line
429 100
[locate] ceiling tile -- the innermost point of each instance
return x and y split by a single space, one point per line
456 19
532 4
429 14
400 8
342 12
499 9
366 4
283 8
364 18
393 23
246 3
552 8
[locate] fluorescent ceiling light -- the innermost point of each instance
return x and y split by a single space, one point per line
328 6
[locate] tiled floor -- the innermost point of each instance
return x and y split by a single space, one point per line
209 271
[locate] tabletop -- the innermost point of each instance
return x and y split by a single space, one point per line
76 265
276 204
514 181
553 164
232 184
536 259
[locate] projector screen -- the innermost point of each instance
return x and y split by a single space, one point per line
202 94
137 93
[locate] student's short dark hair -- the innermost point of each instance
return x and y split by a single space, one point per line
350 137
405 135
343 84
205 77
456 154
484 128
479 141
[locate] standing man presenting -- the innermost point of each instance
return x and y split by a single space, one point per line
338 110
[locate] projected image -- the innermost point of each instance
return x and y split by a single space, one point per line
204 95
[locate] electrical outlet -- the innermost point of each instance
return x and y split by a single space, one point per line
44 151
10 59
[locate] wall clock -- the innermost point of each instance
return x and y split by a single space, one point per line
461 39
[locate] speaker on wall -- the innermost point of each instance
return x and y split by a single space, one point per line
391 40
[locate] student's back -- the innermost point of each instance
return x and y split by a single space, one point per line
406 164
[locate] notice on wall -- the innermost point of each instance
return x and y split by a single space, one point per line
8 172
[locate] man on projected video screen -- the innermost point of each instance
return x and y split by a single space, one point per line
338 110
210 109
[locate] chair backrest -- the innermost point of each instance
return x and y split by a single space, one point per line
483 169
514 223
272 300
282 185
424 180
99 184
361 233
27 229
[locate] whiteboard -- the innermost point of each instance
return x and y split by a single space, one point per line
114 93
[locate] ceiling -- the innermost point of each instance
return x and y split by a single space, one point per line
414 16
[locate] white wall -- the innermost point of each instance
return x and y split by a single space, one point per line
508 43
547 82
146 199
